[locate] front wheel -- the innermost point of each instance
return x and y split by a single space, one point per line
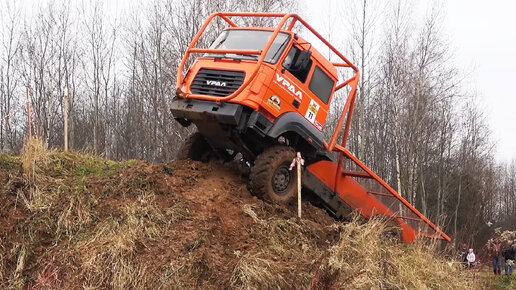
196 148
270 176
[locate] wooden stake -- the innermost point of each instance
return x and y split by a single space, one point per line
29 123
298 185
65 113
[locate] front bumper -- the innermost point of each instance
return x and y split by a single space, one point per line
186 111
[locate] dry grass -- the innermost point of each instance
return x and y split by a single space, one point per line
18 254
262 270
55 191
34 159
364 260
255 272
34 153
108 254
85 222
286 257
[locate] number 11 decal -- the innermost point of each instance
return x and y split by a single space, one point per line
312 110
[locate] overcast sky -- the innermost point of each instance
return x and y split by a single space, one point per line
483 33
482 40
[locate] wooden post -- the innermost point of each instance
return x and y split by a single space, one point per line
298 185
65 116
29 123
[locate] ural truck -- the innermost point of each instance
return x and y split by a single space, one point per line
264 93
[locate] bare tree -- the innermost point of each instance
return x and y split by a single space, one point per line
9 61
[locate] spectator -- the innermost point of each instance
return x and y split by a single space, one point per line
463 255
496 250
471 258
509 259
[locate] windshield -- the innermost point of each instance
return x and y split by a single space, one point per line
250 40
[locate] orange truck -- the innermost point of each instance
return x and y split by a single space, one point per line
263 94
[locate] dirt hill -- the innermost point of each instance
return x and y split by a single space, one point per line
75 221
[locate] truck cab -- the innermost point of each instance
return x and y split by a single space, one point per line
288 97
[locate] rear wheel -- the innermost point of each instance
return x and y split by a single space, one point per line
270 176
391 228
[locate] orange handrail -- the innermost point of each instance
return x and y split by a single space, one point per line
347 108
392 191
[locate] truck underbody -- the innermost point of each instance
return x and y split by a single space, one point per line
240 129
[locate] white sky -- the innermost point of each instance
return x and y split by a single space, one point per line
482 37
483 34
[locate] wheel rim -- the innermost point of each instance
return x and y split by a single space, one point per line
281 180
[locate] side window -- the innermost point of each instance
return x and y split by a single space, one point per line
290 64
321 85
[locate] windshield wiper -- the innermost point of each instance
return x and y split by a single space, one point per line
279 49
240 56
221 41
253 56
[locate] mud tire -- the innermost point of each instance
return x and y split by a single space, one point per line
270 177
196 148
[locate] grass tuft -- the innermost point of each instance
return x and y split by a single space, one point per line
255 272
364 260
34 154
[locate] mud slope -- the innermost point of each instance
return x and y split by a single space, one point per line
77 221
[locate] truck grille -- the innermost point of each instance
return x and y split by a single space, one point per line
216 82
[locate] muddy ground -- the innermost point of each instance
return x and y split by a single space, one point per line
184 222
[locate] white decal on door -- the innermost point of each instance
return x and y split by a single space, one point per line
312 110
288 86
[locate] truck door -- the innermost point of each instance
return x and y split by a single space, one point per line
288 89
321 85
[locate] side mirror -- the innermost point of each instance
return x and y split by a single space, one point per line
302 60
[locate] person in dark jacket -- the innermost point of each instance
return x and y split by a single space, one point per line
463 255
509 255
